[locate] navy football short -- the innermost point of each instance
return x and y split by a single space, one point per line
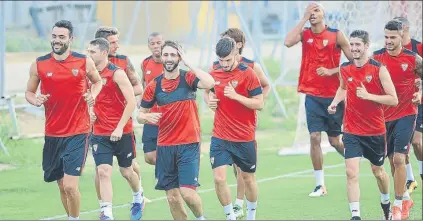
64 155
178 166
318 118
372 148
149 137
419 120
243 154
104 149
399 133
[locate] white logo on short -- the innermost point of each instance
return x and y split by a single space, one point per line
252 167
381 159
129 155
212 160
405 147
310 40
325 42
404 66
350 79
78 169
196 179
49 74
148 72
95 147
421 125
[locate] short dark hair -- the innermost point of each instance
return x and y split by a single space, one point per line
404 21
102 43
364 35
65 24
152 35
237 35
104 32
172 44
393 25
224 47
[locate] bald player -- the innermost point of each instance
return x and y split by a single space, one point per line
321 54
415 46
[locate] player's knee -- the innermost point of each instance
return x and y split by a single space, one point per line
219 179
126 172
417 142
248 178
70 189
378 172
188 196
315 138
104 172
172 197
399 159
352 173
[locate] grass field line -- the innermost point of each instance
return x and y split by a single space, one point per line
292 174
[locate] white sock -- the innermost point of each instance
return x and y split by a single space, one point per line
420 166
355 208
100 202
73 218
398 203
106 208
239 202
320 180
384 198
200 218
406 195
410 175
141 189
137 197
251 210
229 211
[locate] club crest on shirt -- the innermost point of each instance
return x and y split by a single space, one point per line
325 42
310 40
75 72
104 81
234 83
148 72
49 74
404 66
350 79
368 78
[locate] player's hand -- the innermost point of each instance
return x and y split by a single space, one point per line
93 117
332 108
213 101
310 8
183 57
417 98
362 92
116 135
40 99
89 99
418 83
323 71
153 117
230 92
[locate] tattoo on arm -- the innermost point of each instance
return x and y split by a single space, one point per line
419 66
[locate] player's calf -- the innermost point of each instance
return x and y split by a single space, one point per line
70 186
337 143
251 193
193 200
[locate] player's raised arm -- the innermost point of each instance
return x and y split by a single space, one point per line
390 98
95 79
125 86
134 78
343 42
295 35
206 80
263 79
31 88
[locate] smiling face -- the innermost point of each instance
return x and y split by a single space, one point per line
60 40
358 47
170 58
393 39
